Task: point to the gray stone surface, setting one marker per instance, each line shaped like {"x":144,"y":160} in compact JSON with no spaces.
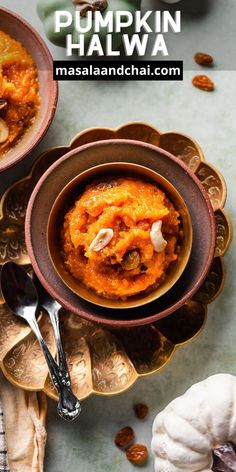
{"x":210,"y":118}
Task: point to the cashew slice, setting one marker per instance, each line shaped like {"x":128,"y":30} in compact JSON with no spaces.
{"x":3,"y":103}
{"x":159,"y":243}
{"x":4,"y":131}
{"x":102,"y":239}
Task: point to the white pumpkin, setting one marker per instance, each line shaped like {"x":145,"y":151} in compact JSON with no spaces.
{"x":191,"y":426}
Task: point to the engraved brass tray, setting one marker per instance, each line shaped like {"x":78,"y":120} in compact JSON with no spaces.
{"x":103,"y":361}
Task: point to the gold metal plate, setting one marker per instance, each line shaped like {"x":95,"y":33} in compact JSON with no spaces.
{"x":105,"y":361}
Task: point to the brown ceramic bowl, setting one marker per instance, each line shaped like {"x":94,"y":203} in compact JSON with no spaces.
{"x":23,"y":32}
{"x":117,"y":150}
{"x":67,"y":198}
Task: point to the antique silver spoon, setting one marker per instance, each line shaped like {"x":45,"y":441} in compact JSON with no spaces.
{"x":21,"y":297}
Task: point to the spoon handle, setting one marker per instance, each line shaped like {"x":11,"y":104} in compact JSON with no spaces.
{"x":69,"y":406}
{"x":53,"y":314}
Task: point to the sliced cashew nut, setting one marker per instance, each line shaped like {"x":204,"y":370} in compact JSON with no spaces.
{"x":4,"y":131}
{"x":159,"y":243}
{"x":102,"y":239}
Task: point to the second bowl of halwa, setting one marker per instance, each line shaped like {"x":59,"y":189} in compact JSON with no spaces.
{"x":119,"y":235}
{"x":28,"y":94}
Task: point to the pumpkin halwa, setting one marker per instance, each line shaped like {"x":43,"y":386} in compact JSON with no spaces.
{"x":123,"y":261}
{"x":19,"y":91}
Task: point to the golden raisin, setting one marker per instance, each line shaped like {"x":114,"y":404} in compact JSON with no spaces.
{"x":137,"y":453}
{"x":203,"y":59}
{"x":124,"y":437}
{"x":203,"y":82}
{"x":130,"y":260}
{"x":141,"y":410}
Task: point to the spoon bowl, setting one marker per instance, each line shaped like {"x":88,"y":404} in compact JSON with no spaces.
{"x":18,"y":290}
{"x":45,"y":300}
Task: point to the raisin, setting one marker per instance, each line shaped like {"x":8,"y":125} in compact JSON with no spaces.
{"x":203,"y":82}
{"x":124,"y":437}
{"x":141,"y":410}
{"x":137,"y":453}
{"x":203,"y":59}
{"x":130,"y":260}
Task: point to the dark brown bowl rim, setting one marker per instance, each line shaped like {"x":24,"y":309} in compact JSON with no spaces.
{"x":129,"y":322}
{"x":54,"y":94}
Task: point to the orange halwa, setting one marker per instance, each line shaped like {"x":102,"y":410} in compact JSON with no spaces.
{"x":128,"y":264}
{"x":19,"y":90}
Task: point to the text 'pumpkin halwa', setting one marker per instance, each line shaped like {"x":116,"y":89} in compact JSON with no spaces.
{"x":128,"y":264}
{"x":19,"y":91}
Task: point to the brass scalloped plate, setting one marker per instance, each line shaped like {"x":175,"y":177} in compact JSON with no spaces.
{"x":101,"y":361}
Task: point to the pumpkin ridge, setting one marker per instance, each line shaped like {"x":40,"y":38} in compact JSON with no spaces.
{"x":199,"y":460}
